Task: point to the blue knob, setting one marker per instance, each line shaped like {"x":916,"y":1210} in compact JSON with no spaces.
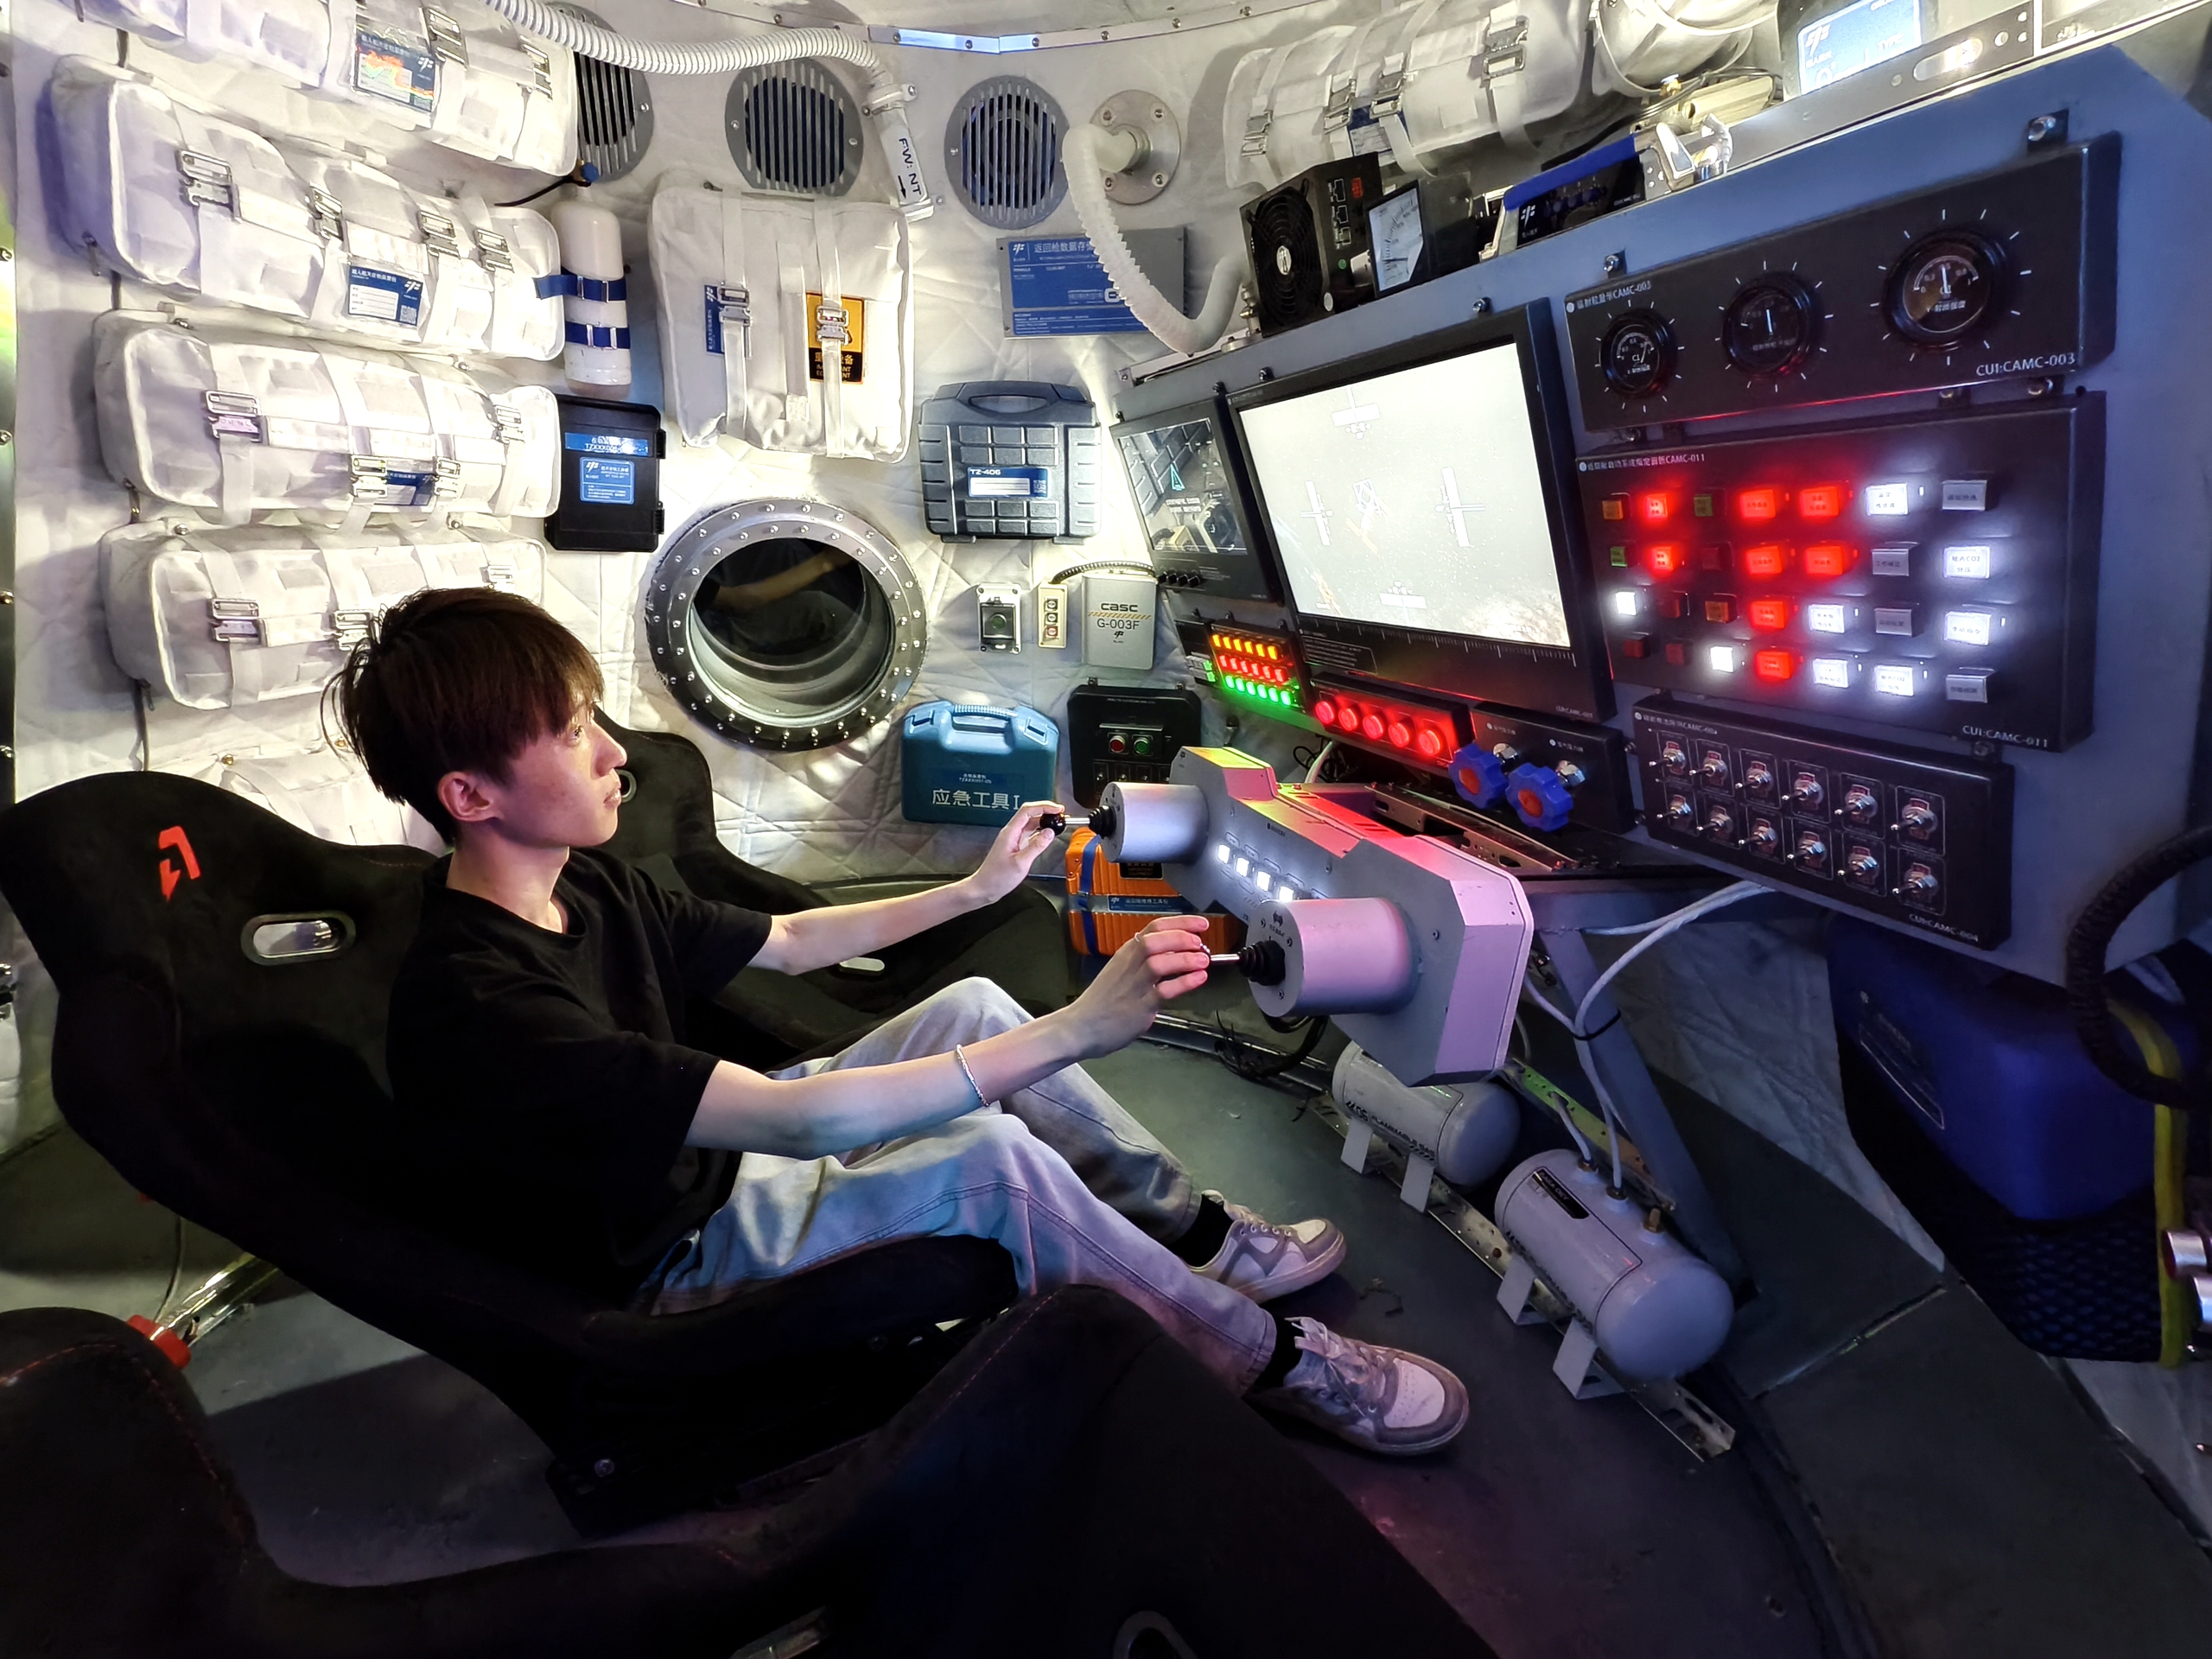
{"x":1539,"y":797}
{"x":1478,"y":775}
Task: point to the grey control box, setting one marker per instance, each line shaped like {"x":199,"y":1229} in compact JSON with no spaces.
{"x":1009,"y":460}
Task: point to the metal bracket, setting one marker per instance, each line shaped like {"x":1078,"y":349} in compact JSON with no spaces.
{"x":448,"y":478}
{"x":1389,"y":86}
{"x":1255,"y":132}
{"x":206,"y":180}
{"x":1336,"y":112}
{"x":234,"y":414}
{"x":832,"y":325}
{"x":507,"y":422}
{"x":234,"y":620}
{"x":443,"y":235}
{"x":329,"y":215}
{"x":542,"y":68}
{"x":349,"y":628}
{"x":1505,"y":51}
{"x":370,"y":476}
{"x":447,"y":43}
{"x":1675,"y":161}
{"x":1147,"y":117}
{"x":493,"y":251}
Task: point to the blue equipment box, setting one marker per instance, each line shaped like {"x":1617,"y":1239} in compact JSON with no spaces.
{"x":963,"y":763}
{"x":1987,"y":1066}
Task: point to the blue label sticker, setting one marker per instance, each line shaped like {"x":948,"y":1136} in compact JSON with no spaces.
{"x":1855,"y":38}
{"x":383,"y":295}
{"x":387,"y":69}
{"x":1009,"y":483}
{"x":1058,"y":287}
{"x":410,"y":489}
{"x":607,"y":483}
{"x":607,"y":443}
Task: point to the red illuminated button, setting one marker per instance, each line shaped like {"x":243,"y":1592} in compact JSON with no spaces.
{"x":1768,"y":615}
{"x":1402,"y":735}
{"x":1429,"y":742}
{"x":1326,"y":712}
{"x":1678,"y":653}
{"x":1773,"y":666}
{"x":1721,"y":607}
{"x":1653,"y":507}
{"x":1767,"y":559}
{"x":1821,"y":500}
{"x":1637,"y":647}
{"x":1115,"y":745}
{"x":1758,"y":506}
{"x":1372,"y":728}
{"x":1829,"y":559}
{"x":1347,"y":719}
{"x":1664,"y":558}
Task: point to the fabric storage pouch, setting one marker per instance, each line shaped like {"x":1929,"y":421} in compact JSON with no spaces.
{"x":757,"y":296}
{"x":326,"y":793}
{"x":234,"y":424}
{"x":167,"y":194}
{"x":456,"y":71}
{"x":220,"y":618}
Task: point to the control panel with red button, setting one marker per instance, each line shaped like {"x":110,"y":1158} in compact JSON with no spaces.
{"x":1418,"y":734}
{"x":1918,"y":837}
{"x":1938,"y":574}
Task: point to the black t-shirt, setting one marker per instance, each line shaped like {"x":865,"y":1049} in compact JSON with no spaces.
{"x":544,"y":1076}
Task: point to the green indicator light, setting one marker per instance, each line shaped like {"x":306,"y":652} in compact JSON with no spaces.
{"x":1620,"y":558}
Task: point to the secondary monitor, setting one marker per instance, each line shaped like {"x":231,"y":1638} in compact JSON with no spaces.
{"x":1191,"y":498}
{"x":1413,"y":499}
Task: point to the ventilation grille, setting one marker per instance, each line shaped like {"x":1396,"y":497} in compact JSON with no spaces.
{"x":1002,"y":147}
{"x":614,"y":113}
{"x":794,"y":128}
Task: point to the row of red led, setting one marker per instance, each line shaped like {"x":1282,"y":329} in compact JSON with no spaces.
{"x":1823,"y":561}
{"x":1423,"y":736}
{"x":1760,"y":504}
{"x":1265,"y":673}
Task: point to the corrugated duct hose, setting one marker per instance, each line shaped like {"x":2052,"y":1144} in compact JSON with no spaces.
{"x":2098,"y":1024}
{"x":886,"y":103}
{"x":1089,"y":155}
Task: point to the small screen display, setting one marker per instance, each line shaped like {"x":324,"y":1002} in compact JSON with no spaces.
{"x":1189,"y":501}
{"x":1413,"y":499}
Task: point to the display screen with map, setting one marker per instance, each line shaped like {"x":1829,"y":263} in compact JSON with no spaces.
{"x":1192,"y":503}
{"x":1412,"y":499}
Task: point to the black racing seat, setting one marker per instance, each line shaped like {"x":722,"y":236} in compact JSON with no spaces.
{"x":224,"y":980}
{"x":1073,"y":1486}
{"x":668,"y":830}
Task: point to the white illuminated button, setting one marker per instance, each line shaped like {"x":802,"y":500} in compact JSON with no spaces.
{"x":1826,"y":618}
{"x":1967,"y":563}
{"x":1244,"y":867}
{"x":1286,"y":894}
{"x":1966,"y":494}
{"x":1221,"y":852}
{"x":1893,"y":679}
{"x":1262,"y":880}
{"x":1888,"y":500}
{"x":1966,"y":627}
{"x":1893,"y":561}
{"x":1722,"y":658}
{"x":1832,"y":670}
{"x":1627,"y":601}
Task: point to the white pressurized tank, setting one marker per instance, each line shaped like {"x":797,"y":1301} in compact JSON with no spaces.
{"x":1656,"y":1309}
{"x":597,"y":307}
{"x":1465,"y":1130}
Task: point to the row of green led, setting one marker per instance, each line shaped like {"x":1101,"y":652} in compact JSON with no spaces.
{"x":1285,"y":695}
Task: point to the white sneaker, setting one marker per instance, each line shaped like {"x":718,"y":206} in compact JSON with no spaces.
{"x":1384,"y":1399}
{"x":1265,"y":1261}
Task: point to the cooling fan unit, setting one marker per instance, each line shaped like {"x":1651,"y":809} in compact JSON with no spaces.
{"x":1308,"y":239}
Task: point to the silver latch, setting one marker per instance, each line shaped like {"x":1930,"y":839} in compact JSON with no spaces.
{"x":734,"y":302}
{"x":541,"y":67}
{"x":832,"y":325}
{"x":446,"y":481}
{"x":234,"y":620}
{"x":1336,"y":112}
{"x":446,"y":43}
{"x":1255,"y":132}
{"x":206,"y":180}
{"x":442,"y":234}
{"x":498,"y":572}
{"x":1505,"y":49}
{"x":492,"y":248}
{"x":329,"y":215}
{"x":1389,"y":84}
{"x":233,"y":415}
{"x":349,"y":628}
{"x":372,"y":475}
{"x":507,"y":423}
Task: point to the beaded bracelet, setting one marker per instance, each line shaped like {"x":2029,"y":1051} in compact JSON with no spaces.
{"x":972,"y":1087}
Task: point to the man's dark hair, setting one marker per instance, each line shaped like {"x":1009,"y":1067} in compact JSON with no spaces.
{"x":457,"y":679}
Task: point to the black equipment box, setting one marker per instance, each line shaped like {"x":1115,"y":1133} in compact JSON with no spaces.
{"x":1009,"y":459}
{"x":610,"y":478}
{"x":1126,"y":734}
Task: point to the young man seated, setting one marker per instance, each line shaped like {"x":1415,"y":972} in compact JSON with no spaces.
{"x":537,"y":1051}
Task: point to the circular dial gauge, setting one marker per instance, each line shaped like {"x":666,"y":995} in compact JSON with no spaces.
{"x":1943,"y":286}
{"x":1772,"y":325}
{"x":1637,"y":354}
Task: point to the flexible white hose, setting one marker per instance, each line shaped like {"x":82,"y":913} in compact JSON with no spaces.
{"x":1087,"y":190}
{"x":886,"y":94}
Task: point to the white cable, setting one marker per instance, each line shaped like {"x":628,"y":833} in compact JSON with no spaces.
{"x":886,"y":93}
{"x":1605,"y":1107}
{"x":1634,"y":928}
{"x":1682,"y":917}
{"x":1080,"y":156}
{"x":1313,"y":771}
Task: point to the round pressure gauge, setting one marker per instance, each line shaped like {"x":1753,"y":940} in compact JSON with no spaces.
{"x":1637,"y":354}
{"x":1943,"y":286}
{"x":1771,"y":326}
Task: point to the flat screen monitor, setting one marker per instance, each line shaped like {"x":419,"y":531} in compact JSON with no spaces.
{"x":1191,"y":497}
{"x":1415,"y":499}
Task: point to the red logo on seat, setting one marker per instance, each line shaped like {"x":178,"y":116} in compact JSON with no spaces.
{"x":174,"y":836}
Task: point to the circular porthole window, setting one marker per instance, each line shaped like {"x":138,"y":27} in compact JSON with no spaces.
{"x":791,"y":625}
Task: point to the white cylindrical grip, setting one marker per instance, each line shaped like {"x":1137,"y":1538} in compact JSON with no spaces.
{"x":1155,"y":823}
{"x":1341,"y":956}
{"x":598,"y":354}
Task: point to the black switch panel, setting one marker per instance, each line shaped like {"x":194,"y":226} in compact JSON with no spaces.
{"x":1918,"y":837}
{"x":1937,"y":572}
{"x":1126,"y":734}
{"x":1596,"y":755}
{"x":2009,"y":275}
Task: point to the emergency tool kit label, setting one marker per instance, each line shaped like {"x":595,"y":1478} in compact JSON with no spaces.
{"x":1056,"y":286}
{"x":389,"y":68}
{"x":383,"y":296}
{"x":609,"y":482}
{"x":1009,"y":483}
{"x":847,"y":330}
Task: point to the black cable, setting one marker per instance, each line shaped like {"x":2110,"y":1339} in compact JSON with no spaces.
{"x":1280,"y":1062}
{"x":2087,"y":942}
{"x":583,"y":174}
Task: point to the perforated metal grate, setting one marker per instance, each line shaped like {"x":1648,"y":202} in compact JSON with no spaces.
{"x":614,"y":111}
{"x":1002,"y":150}
{"x":792,"y":127}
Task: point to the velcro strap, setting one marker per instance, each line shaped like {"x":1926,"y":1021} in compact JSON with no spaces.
{"x":568,"y":285}
{"x":581,"y":334}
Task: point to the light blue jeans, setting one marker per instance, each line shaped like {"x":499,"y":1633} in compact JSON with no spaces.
{"x":1058,"y":1173}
